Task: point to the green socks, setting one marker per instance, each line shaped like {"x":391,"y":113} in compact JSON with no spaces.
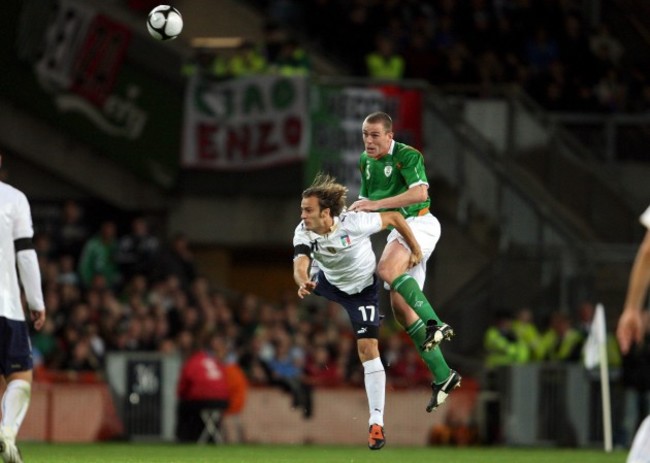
{"x":409,"y":289}
{"x":433,"y":359}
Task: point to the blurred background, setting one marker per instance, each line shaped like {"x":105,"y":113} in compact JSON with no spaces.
{"x":165,"y":179}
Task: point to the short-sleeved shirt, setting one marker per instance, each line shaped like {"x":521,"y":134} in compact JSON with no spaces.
{"x":402,"y":168}
{"x":344,"y":255}
{"x":15,"y":223}
{"x":645,"y":218}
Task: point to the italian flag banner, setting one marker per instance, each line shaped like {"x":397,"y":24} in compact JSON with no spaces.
{"x":245,"y":123}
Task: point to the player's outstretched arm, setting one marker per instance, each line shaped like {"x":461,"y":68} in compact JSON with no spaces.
{"x":630,"y":327}
{"x":395,"y":219}
{"x":301,"y":265}
{"x":414,"y":195}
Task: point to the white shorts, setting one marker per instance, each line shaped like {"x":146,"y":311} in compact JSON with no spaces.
{"x":426,"y":229}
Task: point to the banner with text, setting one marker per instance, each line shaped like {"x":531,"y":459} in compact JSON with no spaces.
{"x":337,"y":113}
{"x":246,"y":123}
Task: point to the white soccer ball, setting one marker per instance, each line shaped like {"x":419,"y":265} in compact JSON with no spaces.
{"x":164,"y":22}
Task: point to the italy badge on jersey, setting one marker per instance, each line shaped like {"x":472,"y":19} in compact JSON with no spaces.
{"x":345,"y":240}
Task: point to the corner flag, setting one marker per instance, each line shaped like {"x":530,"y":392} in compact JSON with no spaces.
{"x":595,"y":353}
{"x":597,"y":337}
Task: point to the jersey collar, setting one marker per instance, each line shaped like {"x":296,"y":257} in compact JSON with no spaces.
{"x":333,"y":228}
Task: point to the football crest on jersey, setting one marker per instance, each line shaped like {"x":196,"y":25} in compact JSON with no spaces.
{"x":388,"y":170}
{"x":345,"y":240}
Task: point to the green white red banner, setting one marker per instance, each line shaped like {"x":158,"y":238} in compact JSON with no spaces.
{"x":337,"y":113}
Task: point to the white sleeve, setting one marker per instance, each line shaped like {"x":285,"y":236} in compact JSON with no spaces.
{"x":22,"y":224}
{"x":299,"y":236}
{"x":363,"y":223}
{"x":645,"y":218}
{"x":26,"y":260}
{"x":30,"y":276}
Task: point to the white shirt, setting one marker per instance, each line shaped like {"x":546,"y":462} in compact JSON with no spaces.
{"x":16,"y":223}
{"x":645,"y":218}
{"x":345,"y":254}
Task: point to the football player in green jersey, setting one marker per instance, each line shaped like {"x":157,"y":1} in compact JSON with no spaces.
{"x":393,"y":178}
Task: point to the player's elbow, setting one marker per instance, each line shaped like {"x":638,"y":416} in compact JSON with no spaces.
{"x":421,"y":193}
{"x":391,"y":219}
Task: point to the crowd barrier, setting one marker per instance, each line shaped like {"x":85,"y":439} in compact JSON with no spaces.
{"x":532,"y":405}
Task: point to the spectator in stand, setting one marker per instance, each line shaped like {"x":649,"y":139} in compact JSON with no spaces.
{"x":420,"y":59}
{"x":202,"y":384}
{"x":206,"y":63}
{"x":445,"y":36}
{"x":45,"y":341}
{"x":561,"y":341}
{"x":584,"y":317}
{"x":136,"y":250}
{"x":408,"y":369}
{"x":611,"y":91}
{"x":321,"y":369}
{"x":286,"y":370}
{"x":479,"y":27}
{"x":98,"y":256}
{"x":502,"y":346}
{"x":541,"y":51}
{"x":384,"y":62}
{"x":359,"y":31}
{"x":72,"y":233}
{"x":573,"y":45}
{"x":176,"y":259}
{"x":246,"y":61}
{"x":292,"y":59}
{"x":525,"y":329}
{"x":237,"y":388}
{"x":458,"y":68}
{"x":67,"y":271}
{"x":81,"y":357}
{"x":602,"y":42}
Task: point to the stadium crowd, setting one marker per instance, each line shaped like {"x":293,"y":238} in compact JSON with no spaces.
{"x":110,"y":291}
{"x":547,"y":47}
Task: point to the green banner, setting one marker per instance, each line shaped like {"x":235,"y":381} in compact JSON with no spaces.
{"x":80,"y":71}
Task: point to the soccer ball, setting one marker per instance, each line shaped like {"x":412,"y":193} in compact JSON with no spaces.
{"x":164,"y":22}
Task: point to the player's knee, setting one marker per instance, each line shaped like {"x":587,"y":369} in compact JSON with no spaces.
{"x":368,"y":349}
{"x":386,"y":272}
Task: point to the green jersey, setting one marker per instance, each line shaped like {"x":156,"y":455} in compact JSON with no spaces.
{"x":393,"y":174}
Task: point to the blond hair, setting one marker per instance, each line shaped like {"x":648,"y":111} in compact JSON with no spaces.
{"x":330,"y":194}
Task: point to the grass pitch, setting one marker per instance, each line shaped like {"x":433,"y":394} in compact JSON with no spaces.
{"x":176,"y":453}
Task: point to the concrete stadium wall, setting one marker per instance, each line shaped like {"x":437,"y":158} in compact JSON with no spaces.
{"x":86,"y":413}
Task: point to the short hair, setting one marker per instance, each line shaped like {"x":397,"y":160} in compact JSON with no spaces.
{"x":382,"y":118}
{"x":331,"y":195}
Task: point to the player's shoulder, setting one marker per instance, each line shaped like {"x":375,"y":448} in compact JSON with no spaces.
{"x":403,"y":150}
{"x":353,"y":219}
{"x":9,"y":193}
{"x":300,"y":228}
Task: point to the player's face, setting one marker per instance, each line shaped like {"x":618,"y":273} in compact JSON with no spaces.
{"x":315,"y":219}
{"x":376,"y":139}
